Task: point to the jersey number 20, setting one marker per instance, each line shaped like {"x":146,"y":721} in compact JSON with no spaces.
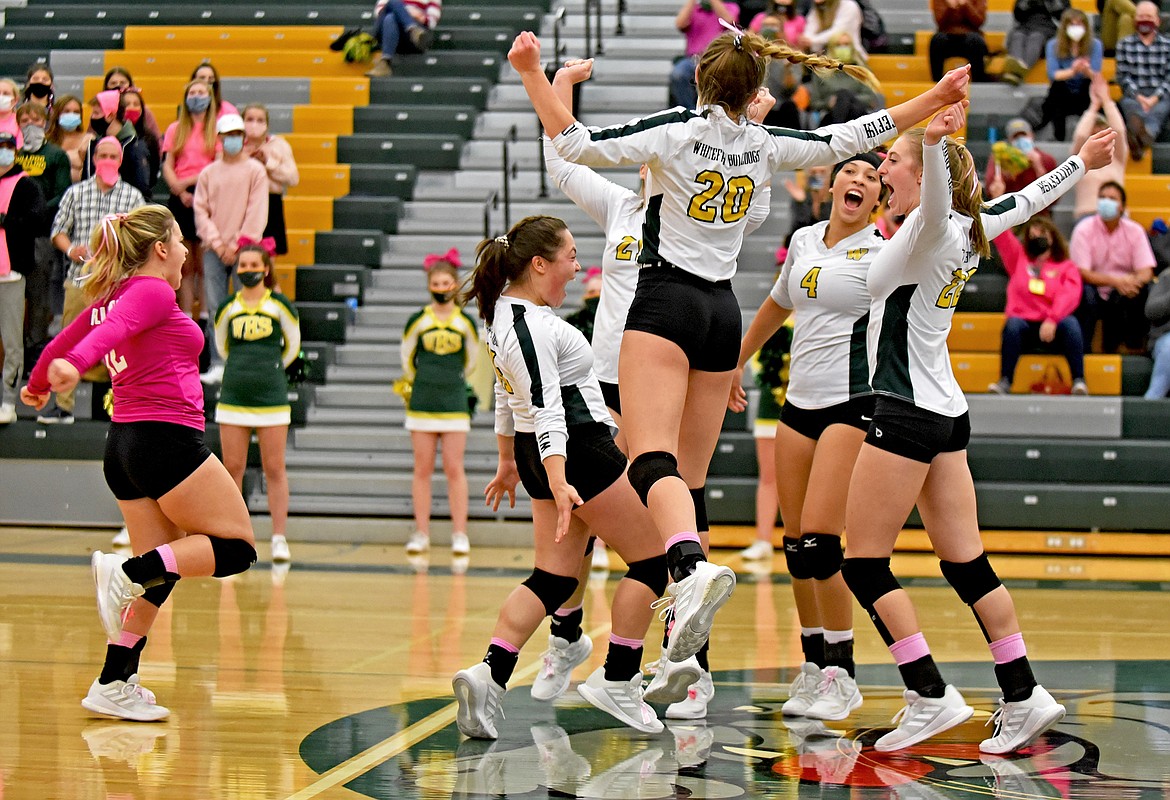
{"x":706,"y":205}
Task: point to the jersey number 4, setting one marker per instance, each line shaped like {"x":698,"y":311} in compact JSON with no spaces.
{"x":809,"y":281}
{"x":708,"y":205}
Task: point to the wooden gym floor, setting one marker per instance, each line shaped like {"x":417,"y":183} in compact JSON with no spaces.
{"x":332,"y":680}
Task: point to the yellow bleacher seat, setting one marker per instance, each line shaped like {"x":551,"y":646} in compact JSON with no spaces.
{"x":352,"y":91}
{"x":163,"y":93}
{"x":1088,"y":6}
{"x":329,"y":180}
{"x":250,"y":63}
{"x":996,"y":40}
{"x":212,"y":38}
{"x":311,"y":213}
{"x":976,"y":371}
{"x":973,"y":331}
{"x":334,"y":120}
{"x":917,"y":68}
{"x":301,"y":246}
{"x":313,"y":148}
{"x":286,"y":278}
{"x":1147,"y":190}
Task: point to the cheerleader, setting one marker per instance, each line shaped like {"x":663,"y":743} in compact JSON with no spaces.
{"x":915,"y":451}
{"x":259,"y":334}
{"x":438,"y":351}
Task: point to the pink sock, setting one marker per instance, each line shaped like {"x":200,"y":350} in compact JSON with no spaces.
{"x":684,"y":536}
{"x":511,"y":648}
{"x":909,"y":649}
{"x":1009,"y":648}
{"x":168,"y":558}
{"x":127,"y":639}
{"x":564,"y":612}
{"x":624,"y":642}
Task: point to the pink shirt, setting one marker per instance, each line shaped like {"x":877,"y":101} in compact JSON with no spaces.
{"x":793,"y":27}
{"x":705,"y":27}
{"x":8,"y":125}
{"x":231,"y":200}
{"x":1121,"y":252}
{"x":150,"y":347}
{"x":1047,"y":293}
{"x":194,"y":157}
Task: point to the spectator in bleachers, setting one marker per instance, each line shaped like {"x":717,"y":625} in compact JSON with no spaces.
{"x":828,"y":19}
{"x":785,"y":81}
{"x":779,"y":21}
{"x":1044,"y":290}
{"x":1102,"y":113}
{"x":133,"y":111}
{"x":66,"y":131}
{"x":120,"y":79}
{"x":698,"y":20}
{"x":1073,"y":57}
{"x":231,"y":203}
{"x":1143,"y":73}
{"x":47,"y":165}
{"x":22,"y":210}
{"x":210,"y":75}
{"x":79,"y":215}
{"x":812,"y":198}
{"x":1117,"y":264}
{"x":1116,"y":21}
{"x":1158,"y":315}
{"x":8,"y":123}
{"x":1035,"y":23}
{"x":275,"y":153}
{"x":108,"y":119}
{"x":836,"y":97}
{"x":1005,"y":171}
{"x":38,"y":86}
{"x":582,"y":319}
{"x":403,"y":26}
{"x":189,"y":145}
{"x":960,"y":35}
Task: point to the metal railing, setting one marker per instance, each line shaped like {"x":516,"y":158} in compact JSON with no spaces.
{"x":593,"y":7}
{"x":620,"y":28}
{"x":511,"y":170}
{"x":491,"y":203}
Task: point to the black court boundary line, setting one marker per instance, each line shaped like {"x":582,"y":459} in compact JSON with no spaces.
{"x":745,"y":578}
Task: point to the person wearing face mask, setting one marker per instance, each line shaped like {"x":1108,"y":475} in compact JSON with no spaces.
{"x":827,"y":20}
{"x":80,"y":213}
{"x":258,"y":331}
{"x":209,"y":75}
{"x":1034,"y":24}
{"x":834,"y":95}
{"x":782,"y":19}
{"x":1044,"y":289}
{"x":960,"y":35}
{"x":275,"y":153}
{"x":48,"y":165}
{"x":1102,"y":113}
{"x":1143,"y":73}
{"x":1073,"y":56}
{"x":67,"y":132}
{"x":439,"y":349}
{"x":231,"y":201}
{"x":38,"y":87}
{"x":8,"y":123}
{"x":189,"y":145}
{"x":22,"y":211}
{"x":109,"y":119}
{"x":1117,"y":265}
{"x":119,"y":79}
{"x":1001,"y":180}
{"x":134,"y":113}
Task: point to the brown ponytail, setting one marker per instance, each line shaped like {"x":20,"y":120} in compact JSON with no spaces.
{"x":505,"y":259}
{"x":966,"y":191}
{"x":733,"y":67}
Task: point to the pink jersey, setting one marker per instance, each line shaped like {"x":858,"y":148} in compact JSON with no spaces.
{"x":150,"y":347}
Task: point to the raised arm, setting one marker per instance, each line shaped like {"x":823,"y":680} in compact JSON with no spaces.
{"x":937,"y":189}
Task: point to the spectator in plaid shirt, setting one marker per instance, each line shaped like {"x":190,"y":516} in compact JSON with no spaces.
{"x":1143,"y":72}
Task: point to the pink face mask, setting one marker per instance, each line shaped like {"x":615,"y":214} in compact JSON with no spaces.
{"x":107,"y":171}
{"x":255,"y":130}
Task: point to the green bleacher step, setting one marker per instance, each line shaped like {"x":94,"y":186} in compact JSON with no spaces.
{"x":56,"y":37}
{"x":985,"y":291}
{"x":373,"y":213}
{"x":483,"y":64}
{"x":323,"y":322}
{"x":319,"y":356}
{"x":1145,"y":419}
{"x":425,"y":151}
{"x":389,"y":119}
{"x":430,"y":91}
{"x":473,"y":38}
{"x":189,"y":14}
{"x":735,"y":456}
{"x":1069,"y":461}
{"x":1073,"y":507}
{"x":394,"y":180}
{"x":325,"y":283}
{"x":363,"y":247}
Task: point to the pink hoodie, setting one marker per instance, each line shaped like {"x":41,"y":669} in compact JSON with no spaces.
{"x":1062,"y":284}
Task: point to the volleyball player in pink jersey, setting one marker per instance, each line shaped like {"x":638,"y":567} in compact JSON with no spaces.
{"x":185,"y":517}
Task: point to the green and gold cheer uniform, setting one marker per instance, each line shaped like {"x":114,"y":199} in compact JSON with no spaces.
{"x":771,"y":368}
{"x":257,"y":343}
{"x":437,"y":355}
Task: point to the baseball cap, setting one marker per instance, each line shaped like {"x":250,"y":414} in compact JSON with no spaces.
{"x":230,"y":123}
{"x":1017,"y":126}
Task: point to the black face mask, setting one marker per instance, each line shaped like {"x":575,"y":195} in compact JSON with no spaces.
{"x":591,"y":304}
{"x":39,"y":90}
{"x":250,"y":279}
{"x":442,"y":297}
{"x":99,"y":126}
{"x":1037,"y":246}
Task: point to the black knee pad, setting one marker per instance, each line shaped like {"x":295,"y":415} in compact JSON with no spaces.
{"x":649,"y":468}
{"x":870,"y":579}
{"x":157,"y":595}
{"x":700,"y":497}
{"x":552,"y":590}
{"x":794,"y":558}
{"x":650,"y":571}
{"x":589,"y":545}
{"x":232,"y":556}
{"x":973,"y":580}
{"x":822,"y":554}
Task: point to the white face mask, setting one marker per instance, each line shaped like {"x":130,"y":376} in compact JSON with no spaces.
{"x":1075,"y":32}
{"x":6,"y":103}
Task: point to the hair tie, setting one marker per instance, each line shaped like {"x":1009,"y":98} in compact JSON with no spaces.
{"x":110,"y":233}
{"x":841,"y":66}
{"x":451,"y":257}
{"x":267,"y":244}
{"x":738,"y":34}
{"x":504,"y":241}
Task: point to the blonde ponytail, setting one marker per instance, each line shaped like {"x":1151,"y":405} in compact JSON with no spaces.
{"x":966,"y":191}
{"x":121,"y":244}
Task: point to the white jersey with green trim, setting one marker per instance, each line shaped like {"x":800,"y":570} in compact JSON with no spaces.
{"x":826,"y":287}
{"x":544,"y":375}
{"x":708,"y":170}
{"x":916,"y":281}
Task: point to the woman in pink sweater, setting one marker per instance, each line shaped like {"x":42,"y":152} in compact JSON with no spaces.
{"x":1044,"y":288}
{"x":181,"y":507}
